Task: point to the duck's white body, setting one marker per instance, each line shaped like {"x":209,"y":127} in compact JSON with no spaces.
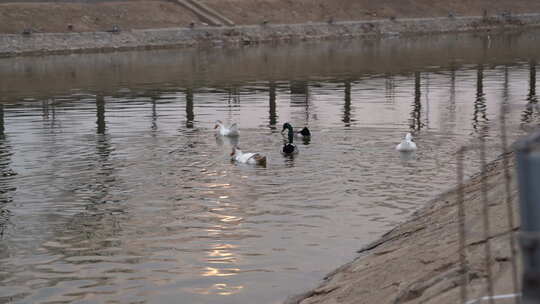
{"x":407,"y":145}
{"x":248,"y":158}
{"x":226,"y":131}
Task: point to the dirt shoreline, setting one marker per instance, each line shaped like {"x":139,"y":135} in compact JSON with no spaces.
{"x":62,"y":43}
{"x":47,"y":16}
{"x":418,"y":261}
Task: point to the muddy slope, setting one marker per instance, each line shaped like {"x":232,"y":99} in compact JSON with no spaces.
{"x":418,"y":261}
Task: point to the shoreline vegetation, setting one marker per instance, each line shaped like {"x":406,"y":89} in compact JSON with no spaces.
{"x":30,"y":43}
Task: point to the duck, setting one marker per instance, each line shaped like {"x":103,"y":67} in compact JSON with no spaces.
{"x":247,"y":158}
{"x":289,"y":148}
{"x":304,"y":133}
{"x":226,"y":131}
{"x":407,"y":145}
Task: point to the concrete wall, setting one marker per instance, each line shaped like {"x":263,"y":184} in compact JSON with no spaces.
{"x":47,"y":43}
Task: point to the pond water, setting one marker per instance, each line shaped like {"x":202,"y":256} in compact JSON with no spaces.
{"x":114,"y":188}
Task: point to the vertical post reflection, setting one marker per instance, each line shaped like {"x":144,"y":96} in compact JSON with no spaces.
{"x":300,"y":96}
{"x":347,"y":105}
{"x":6,"y":175}
{"x":452,"y":106}
{"x":505,"y":91}
{"x":448,"y":113}
{"x":103,"y":145}
{"x":100,"y":113}
{"x":427,"y":85}
{"x":45,"y":109}
{"x":532,"y":99}
{"x":5,"y":156}
{"x":480,"y":107}
{"x":154,"y":126}
{"x":416,"y":113}
{"x":299,"y":91}
{"x":103,"y":149}
{"x":2,"y":128}
{"x":390,"y":88}
{"x":272,"y":105}
{"x":234,"y":94}
{"x":190,"y":115}
{"x":53,"y":112}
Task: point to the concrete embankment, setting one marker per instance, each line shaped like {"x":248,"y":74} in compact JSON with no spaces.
{"x":418,"y":261}
{"x":54,"y":43}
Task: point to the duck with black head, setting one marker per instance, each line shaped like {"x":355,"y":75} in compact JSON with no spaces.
{"x":289,"y":148}
{"x":304,"y":133}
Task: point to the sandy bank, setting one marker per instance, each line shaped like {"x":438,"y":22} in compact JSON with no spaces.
{"x":417,"y":262}
{"x":301,"y":11}
{"x":54,"y":43}
{"x":51,"y":17}
{"x":100,"y":15}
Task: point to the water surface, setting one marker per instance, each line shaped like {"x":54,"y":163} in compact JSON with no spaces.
{"x":114,"y":188}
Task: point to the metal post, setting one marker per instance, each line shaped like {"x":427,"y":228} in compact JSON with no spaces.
{"x":528,"y":166}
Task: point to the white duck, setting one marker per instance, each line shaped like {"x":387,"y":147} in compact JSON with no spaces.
{"x":407,"y":145}
{"x":247,"y":158}
{"x":226,"y":131}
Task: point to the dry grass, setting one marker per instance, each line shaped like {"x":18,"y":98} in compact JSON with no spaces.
{"x":55,"y":17}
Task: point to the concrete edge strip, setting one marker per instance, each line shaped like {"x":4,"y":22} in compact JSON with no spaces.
{"x":495,"y":297}
{"x":62,"y":43}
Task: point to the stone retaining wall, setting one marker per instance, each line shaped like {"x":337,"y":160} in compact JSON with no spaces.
{"x":54,"y":43}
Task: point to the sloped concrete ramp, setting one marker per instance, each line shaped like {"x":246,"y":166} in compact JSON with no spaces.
{"x":205,"y":13}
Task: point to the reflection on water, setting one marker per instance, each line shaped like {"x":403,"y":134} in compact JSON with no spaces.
{"x":347,"y":105}
{"x":154,"y":126}
{"x":272,"y":120}
{"x":100,"y":113}
{"x":190,"y":115}
{"x":480,"y":119}
{"x":532,"y":99}
{"x":114,"y":187}
{"x":407,"y":157}
{"x":229,"y":141}
{"x":6,"y":177}
{"x":416,"y":113}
